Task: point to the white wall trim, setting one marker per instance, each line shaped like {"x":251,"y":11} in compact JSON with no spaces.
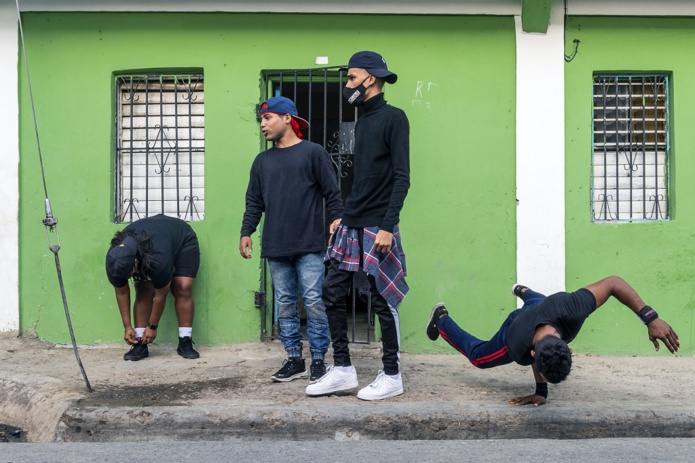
{"x":540,"y":155}
{"x":631,"y":8}
{"x":9,"y":170}
{"x":466,"y":7}
{"x":491,"y":7}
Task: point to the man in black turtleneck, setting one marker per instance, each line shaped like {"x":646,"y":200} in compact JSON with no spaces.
{"x":368,"y":236}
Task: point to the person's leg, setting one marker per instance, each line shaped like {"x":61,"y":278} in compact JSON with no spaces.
{"x":482,"y":354}
{"x":390,"y":330}
{"x":310,"y":270}
{"x":142,"y":308}
{"x":388,"y":382}
{"x":186,"y":265}
{"x":182,"y":290}
{"x":284,"y":275}
{"x":283,"y":271}
{"x":531,"y":298}
{"x":336,"y":285}
{"x":342,"y":375}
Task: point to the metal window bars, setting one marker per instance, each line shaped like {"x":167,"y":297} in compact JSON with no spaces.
{"x":160,"y":146}
{"x":630,"y":166}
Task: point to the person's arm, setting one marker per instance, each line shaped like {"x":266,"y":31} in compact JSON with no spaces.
{"x":252,"y":214}
{"x":399,"y":142}
{"x":540,"y":397}
{"x":123,"y":301}
{"x":158,"y":303}
{"x":329,"y":189}
{"x":329,"y":185}
{"x":657,"y":328}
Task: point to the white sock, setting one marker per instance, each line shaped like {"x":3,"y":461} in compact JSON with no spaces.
{"x":343,"y":369}
{"x":396,"y":377}
{"x":185,"y":331}
{"x":139,"y":332}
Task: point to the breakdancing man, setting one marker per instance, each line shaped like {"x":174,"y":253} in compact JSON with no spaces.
{"x":537,"y":334}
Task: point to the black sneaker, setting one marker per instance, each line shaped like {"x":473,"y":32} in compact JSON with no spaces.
{"x":186,"y":349}
{"x":137,"y":352}
{"x":437,"y":311}
{"x":291,"y":369}
{"x":318,"y":369}
{"x":518,"y":289}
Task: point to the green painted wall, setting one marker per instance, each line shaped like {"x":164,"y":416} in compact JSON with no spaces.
{"x":458,"y":222}
{"x":658,"y":259}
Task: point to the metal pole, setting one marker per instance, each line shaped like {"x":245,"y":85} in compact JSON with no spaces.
{"x":50,"y":223}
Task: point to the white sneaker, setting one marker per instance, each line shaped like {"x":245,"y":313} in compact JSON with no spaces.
{"x":333,"y":381}
{"x":383,"y":387}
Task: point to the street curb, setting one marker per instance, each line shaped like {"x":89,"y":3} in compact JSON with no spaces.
{"x":35,"y":404}
{"x":344,"y":422}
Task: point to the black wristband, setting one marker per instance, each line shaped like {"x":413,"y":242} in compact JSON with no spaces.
{"x":542,"y":390}
{"x":647,"y":314}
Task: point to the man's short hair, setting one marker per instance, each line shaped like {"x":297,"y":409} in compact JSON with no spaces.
{"x":553,"y":358}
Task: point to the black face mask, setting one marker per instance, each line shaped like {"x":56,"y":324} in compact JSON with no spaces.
{"x":355,"y":96}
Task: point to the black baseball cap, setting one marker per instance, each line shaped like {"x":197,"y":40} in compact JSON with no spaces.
{"x":120,"y":259}
{"x":373,"y":63}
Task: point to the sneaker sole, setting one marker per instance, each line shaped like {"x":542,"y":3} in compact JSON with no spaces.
{"x":189,"y":357}
{"x":436,"y":306}
{"x":390,"y":394}
{"x":290,"y":378}
{"x":341,"y":388}
{"x":514,"y":287}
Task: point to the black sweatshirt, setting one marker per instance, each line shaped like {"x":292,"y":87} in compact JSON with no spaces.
{"x":289,"y":185}
{"x":382,"y":167}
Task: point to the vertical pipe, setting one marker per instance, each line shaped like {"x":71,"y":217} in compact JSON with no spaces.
{"x":176,"y":147}
{"x":161,"y":139}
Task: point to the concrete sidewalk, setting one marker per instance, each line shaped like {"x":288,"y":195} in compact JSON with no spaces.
{"x":227,"y":394}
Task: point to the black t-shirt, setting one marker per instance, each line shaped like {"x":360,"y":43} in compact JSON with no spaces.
{"x":565,"y":312}
{"x":289,"y":186}
{"x":168,"y":235}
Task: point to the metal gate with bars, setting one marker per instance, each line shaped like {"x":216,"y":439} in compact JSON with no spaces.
{"x":317,"y":94}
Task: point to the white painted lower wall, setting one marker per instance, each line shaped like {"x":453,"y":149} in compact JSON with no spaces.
{"x":540,"y":155}
{"x":9,"y":170}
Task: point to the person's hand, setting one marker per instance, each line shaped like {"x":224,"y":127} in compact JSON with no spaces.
{"x":334,"y":225}
{"x":246,"y":247}
{"x":534,"y":399}
{"x":383,"y":241}
{"x":149,"y":335}
{"x":129,"y":336}
{"x":659,"y":329}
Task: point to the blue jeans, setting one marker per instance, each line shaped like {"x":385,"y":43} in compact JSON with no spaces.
{"x":485,"y":354}
{"x":290,"y":275}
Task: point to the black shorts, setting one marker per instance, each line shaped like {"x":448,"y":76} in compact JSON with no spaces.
{"x":187,"y":262}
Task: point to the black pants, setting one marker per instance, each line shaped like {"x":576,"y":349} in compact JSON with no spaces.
{"x":335,"y":289}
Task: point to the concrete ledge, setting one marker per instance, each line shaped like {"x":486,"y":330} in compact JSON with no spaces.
{"x":411,"y":422}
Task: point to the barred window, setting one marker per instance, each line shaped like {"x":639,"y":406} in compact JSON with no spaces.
{"x":160,"y":146}
{"x":630,"y":172}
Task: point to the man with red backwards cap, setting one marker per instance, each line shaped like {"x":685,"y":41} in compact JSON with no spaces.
{"x":368,"y":236}
{"x":288,"y":183}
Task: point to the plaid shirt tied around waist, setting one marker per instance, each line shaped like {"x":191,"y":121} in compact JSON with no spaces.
{"x":388,"y":269}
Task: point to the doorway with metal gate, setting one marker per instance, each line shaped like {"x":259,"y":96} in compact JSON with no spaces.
{"x":317,"y":94}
